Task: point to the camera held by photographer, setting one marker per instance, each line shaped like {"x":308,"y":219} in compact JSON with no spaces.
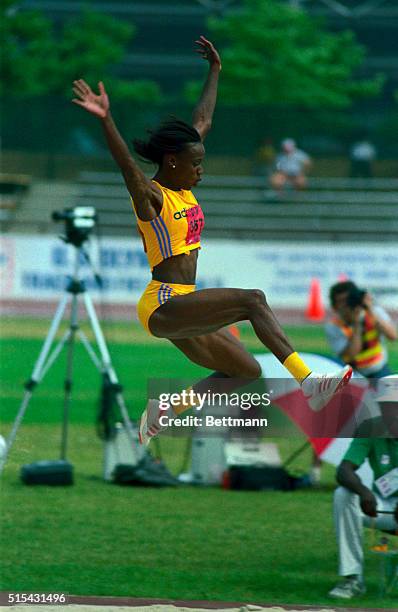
{"x":358,"y":330}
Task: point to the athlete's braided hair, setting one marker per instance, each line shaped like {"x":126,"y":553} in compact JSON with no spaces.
{"x":172,"y":136}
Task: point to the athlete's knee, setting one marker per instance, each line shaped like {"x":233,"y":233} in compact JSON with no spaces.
{"x":160,"y":331}
{"x":257,"y":300}
{"x":250,"y":369}
{"x":253,"y":370}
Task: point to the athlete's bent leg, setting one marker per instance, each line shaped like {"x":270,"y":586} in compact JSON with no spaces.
{"x":221,"y":351}
{"x":208,"y":310}
{"x":203,"y":312}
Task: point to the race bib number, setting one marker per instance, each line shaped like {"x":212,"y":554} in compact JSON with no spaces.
{"x":196,"y":221}
{"x":388,"y":484}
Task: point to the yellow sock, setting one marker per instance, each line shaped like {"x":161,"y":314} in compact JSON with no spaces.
{"x":188,"y":400}
{"x":297,"y":367}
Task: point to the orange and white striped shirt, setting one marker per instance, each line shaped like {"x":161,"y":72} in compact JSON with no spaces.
{"x":373,"y":355}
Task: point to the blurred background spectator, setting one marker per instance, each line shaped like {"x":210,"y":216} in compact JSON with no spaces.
{"x":292,"y":164}
{"x":265,"y":157}
{"x":362,"y":156}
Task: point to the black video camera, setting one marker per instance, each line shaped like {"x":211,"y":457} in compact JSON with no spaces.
{"x":355,"y":297}
{"x":79,"y":222}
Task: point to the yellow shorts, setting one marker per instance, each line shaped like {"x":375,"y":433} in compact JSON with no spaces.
{"x":156,"y":294}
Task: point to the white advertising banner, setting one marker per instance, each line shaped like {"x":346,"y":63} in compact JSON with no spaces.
{"x":37,"y":268}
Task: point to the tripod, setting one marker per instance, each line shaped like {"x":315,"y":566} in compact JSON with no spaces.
{"x":74,"y":289}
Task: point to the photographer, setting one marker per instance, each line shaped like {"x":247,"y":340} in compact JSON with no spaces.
{"x":358,"y":329}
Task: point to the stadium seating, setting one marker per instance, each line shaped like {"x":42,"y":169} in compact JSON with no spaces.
{"x":12,"y":189}
{"x":334,"y":209}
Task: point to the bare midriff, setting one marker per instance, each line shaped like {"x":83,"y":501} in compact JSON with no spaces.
{"x":180,"y":269}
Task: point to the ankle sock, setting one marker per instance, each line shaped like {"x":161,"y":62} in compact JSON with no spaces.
{"x":297,"y":367}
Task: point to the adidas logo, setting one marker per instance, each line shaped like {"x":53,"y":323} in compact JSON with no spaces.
{"x":180,"y":214}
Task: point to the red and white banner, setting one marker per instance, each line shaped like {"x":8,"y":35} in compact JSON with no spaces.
{"x":337,"y":418}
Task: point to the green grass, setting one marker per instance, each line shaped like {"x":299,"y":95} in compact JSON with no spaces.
{"x":100,"y":539}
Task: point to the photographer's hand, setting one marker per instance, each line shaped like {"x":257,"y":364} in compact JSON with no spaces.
{"x":354,"y":345}
{"x":387,"y":328}
{"x":358,"y":315}
{"x":367,"y":302}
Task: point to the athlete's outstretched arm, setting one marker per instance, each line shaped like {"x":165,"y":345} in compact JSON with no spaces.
{"x":203,"y":112}
{"x":146,"y":196}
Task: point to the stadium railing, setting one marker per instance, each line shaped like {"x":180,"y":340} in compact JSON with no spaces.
{"x":337,"y":209}
{"x":12,"y":188}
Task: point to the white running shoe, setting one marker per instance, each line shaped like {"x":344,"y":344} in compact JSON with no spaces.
{"x":150,"y":421}
{"x":349,"y":587}
{"x":319,"y":389}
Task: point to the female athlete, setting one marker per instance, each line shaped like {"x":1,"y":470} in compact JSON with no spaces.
{"x":170,"y":221}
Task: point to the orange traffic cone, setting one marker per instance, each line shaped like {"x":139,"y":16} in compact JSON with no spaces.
{"x":315,"y":309}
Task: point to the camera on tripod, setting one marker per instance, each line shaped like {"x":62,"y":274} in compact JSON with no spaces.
{"x":79,"y":221}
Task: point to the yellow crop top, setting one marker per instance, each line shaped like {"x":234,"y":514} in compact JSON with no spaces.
{"x":175,"y":230}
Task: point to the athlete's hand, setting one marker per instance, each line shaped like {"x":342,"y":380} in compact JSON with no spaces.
{"x":207,"y":50}
{"x":94,"y":104}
